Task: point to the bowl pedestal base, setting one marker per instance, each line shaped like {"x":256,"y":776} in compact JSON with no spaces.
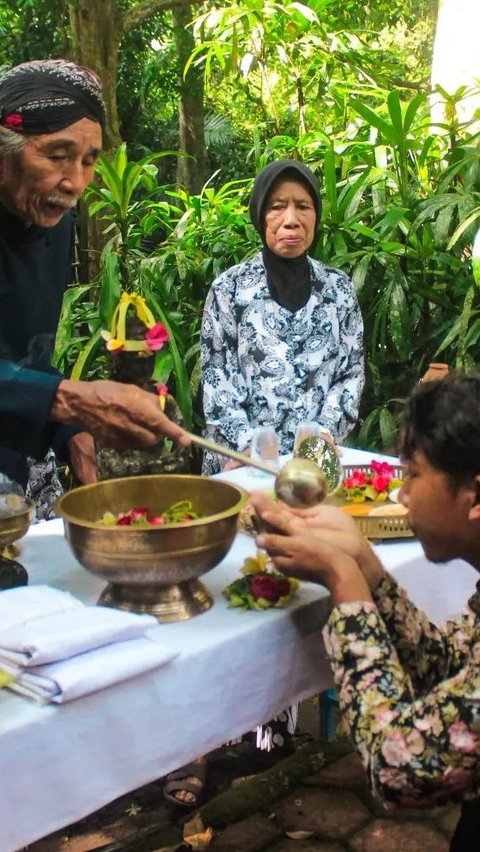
{"x":12,"y":573}
{"x":177,"y":602}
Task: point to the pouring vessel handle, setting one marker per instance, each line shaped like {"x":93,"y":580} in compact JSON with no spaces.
{"x":231,"y":454}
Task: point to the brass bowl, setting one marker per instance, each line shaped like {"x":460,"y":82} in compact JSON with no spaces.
{"x":15,"y":524}
{"x":153,"y":569}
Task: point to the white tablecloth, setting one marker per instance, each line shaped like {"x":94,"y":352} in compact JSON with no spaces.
{"x":57,"y":764}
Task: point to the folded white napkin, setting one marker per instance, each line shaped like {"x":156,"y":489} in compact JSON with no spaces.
{"x":20,"y":605}
{"x":58,"y":648}
{"x":86,"y":673}
{"x":63,"y":634}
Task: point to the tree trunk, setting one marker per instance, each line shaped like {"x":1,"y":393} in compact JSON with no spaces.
{"x":191,"y":169}
{"x":96,"y":34}
{"x":455,"y":58}
{"x":97,"y":29}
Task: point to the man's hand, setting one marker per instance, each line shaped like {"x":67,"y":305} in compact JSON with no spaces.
{"x":329,"y":524}
{"x":81,"y":450}
{"x":118,"y":415}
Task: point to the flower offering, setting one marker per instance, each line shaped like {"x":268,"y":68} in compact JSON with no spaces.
{"x":375,"y":483}
{"x":156,"y":335}
{"x":140,"y":516}
{"x":261,"y":587}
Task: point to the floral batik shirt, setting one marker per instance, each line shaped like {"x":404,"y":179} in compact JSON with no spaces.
{"x":265,"y":365}
{"x":410,"y":696}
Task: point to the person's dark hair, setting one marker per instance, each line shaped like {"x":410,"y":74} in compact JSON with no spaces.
{"x":442,"y":420}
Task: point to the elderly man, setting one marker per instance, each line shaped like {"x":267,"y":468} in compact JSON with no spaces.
{"x":409,"y":690}
{"x":51,"y":120}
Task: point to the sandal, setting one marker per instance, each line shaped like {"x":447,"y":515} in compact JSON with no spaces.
{"x":177,"y":781}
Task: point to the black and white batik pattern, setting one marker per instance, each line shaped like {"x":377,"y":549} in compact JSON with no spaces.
{"x":262,"y":364}
{"x":44,"y":486}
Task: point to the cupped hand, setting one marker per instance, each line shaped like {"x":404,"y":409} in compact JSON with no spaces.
{"x":328,"y":523}
{"x":299,"y":552}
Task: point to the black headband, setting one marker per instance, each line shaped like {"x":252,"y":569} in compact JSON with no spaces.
{"x":49,"y":94}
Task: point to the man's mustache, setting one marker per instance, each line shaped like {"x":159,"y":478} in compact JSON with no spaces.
{"x":68,"y":203}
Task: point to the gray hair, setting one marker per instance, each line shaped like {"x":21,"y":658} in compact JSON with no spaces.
{"x":11,"y":142}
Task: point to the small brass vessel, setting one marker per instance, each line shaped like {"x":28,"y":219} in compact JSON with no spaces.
{"x":153,"y":569}
{"x":14,"y":524}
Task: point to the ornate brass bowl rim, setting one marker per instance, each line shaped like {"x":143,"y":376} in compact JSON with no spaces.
{"x":226,"y":513}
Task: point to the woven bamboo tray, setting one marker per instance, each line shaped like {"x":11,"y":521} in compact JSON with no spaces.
{"x":372,"y":526}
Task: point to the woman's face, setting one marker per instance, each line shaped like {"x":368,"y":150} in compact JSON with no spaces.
{"x":290,"y":219}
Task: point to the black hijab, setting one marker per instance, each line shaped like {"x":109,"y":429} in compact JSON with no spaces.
{"x":288,"y":278}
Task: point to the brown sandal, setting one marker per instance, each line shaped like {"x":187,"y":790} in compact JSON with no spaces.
{"x":177,"y":781}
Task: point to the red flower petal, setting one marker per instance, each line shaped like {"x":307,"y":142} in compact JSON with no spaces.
{"x":14,"y":121}
{"x":156,"y":337}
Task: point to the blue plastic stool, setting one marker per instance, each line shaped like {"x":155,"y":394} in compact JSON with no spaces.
{"x":327,"y":713}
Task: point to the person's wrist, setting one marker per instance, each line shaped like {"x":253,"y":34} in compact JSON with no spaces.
{"x":372,"y":568}
{"x":60,"y":410}
{"x":347,"y":582}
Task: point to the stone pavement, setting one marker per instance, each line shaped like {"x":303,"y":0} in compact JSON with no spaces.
{"x":315,"y":800}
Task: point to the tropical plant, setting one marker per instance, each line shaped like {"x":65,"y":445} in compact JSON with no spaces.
{"x":165,"y":245}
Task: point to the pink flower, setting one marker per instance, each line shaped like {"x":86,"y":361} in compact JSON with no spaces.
{"x":356,"y":480}
{"x":380,"y":483}
{"x":156,"y":337}
{"x":14,"y":121}
{"x":382,"y":468}
{"x":395,"y":749}
{"x":139,"y":512}
{"x":462,"y":738}
{"x":162,"y":390}
{"x":393,"y":778}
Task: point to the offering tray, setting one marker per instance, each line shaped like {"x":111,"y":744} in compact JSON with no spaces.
{"x":388,"y":520}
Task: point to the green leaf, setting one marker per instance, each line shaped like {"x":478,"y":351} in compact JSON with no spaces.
{"x":388,"y":429}
{"x":476,"y":259}
{"x":110,"y":289}
{"x":371,"y":117}
{"x":86,"y":356}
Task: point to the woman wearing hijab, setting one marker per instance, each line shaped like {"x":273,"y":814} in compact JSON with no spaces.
{"x":281,"y":332}
{"x":281,"y":343}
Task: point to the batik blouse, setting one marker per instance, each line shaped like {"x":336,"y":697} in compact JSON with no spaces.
{"x":410,"y":696}
{"x":265,"y":365}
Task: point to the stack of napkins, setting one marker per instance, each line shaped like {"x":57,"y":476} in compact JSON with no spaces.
{"x":57,"y":648}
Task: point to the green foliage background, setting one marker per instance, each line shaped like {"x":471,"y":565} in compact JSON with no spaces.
{"x":342,"y":86}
